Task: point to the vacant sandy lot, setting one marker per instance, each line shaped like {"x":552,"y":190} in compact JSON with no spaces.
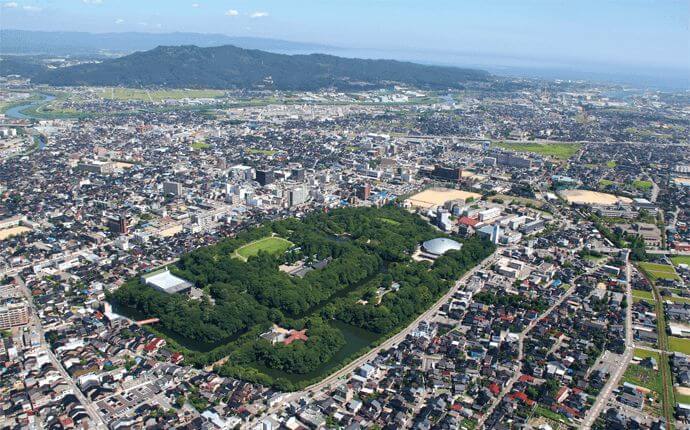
{"x":438,"y":196}
{"x":14,"y":231}
{"x":682,"y":181}
{"x":586,"y":197}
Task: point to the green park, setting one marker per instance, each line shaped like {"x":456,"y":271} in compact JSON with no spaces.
{"x":291,"y":301}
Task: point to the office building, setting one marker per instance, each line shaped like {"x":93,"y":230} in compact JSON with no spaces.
{"x":297,"y":196}
{"x":172,"y":188}
{"x":265,"y":177}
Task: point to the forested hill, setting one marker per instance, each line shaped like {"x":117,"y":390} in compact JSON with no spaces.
{"x":231,"y":67}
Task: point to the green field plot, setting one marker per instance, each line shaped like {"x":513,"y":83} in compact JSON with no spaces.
{"x":679,"y":344}
{"x":659,"y":271}
{"x":267,"y":152}
{"x":642,"y":185}
{"x":271,"y":245}
{"x":681,"y":259}
{"x":645,"y":295}
{"x":644,"y":377}
{"x":644,"y":353}
{"x":200,"y":145}
{"x":558,"y":150}
{"x":157,"y":95}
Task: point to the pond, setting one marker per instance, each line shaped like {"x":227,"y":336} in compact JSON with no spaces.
{"x":356,"y":338}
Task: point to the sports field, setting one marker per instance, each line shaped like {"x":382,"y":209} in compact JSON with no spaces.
{"x":438,"y":196}
{"x":14,"y":231}
{"x":558,"y":150}
{"x":659,"y":271}
{"x":271,"y":245}
{"x":586,"y":197}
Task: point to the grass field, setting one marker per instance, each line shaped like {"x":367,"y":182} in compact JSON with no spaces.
{"x":562,"y":151}
{"x":681,"y":259}
{"x":679,"y":344}
{"x":641,"y":294}
{"x":643,"y":377}
{"x":261,"y":151}
{"x":659,"y":271}
{"x":157,"y":95}
{"x":682,"y":398}
{"x":644,"y":353}
{"x":642,"y":185}
{"x":611,"y":164}
{"x":605,"y":183}
{"x":272,"y":245}
{"x":200,"y":145}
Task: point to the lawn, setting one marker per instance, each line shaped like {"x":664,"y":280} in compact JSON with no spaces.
{"x":642,"y":185}
{"x":605,"y":183}
{"x":611,"y":164}
{"x":272,"y":245}
{"x":561,"y":151}
{"x":390,"y":221}
{"x":681,"y":259}
{"x":659,"y":271}
{"x":267,"y":152}
{"x":641,"y":294}
{"x":679,"y":344}
{"x":644,"y":353}
{"x":548,"y":413}
{"x":682,"y":398}
{"x":200,"y":145}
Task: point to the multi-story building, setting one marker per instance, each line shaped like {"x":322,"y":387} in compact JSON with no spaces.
{"x":14,"y":314}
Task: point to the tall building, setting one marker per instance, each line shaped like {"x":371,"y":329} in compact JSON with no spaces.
{"x":265,"y":177}
{"x":364,"y":191}
{"x":14,"y":314}
{"x":297,"y":174}
{"x":297,"y":196}
{"x":453,"y":174}
{"x":117,"y":224}
{"x":174,"y":188}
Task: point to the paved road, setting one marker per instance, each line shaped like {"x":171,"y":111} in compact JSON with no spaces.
{"x":88,"y":405}
{"x":391,"y":342}
{"x":612,"y":382}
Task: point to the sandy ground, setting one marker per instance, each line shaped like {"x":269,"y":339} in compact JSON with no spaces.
{"x":683,"y":390}
{"x":586,"y":197}
{"x":121,"y":165}
{"x":438,"y":196}
{"x":682,"y":181}
{"x":14,"y":231}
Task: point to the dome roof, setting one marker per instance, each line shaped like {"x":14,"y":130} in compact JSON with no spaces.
{"x":440,"y":245}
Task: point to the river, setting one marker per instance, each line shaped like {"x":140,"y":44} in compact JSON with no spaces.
{"x":16,"y":112}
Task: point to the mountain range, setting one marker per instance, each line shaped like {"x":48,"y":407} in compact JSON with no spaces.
{"x":71,"y":43}
{"x":232,"y":67}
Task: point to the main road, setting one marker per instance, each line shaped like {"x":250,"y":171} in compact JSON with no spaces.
{"x":612,"y":382}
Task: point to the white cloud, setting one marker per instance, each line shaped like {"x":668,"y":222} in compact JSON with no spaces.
{"x":10,"y":5}
{"x":32,"y":8}
{"x":195,"y":5}
{"x":259,"y":15}
{"x":231,"y":12}
{"x":119,"y":21}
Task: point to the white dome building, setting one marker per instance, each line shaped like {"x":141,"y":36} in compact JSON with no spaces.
{"x":439,"y":246}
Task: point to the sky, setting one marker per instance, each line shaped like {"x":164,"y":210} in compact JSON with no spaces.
{"x":650,"y":34}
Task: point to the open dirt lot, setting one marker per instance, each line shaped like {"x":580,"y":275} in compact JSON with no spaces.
{"x":438,"y":196}
{"x":586,"y":197}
